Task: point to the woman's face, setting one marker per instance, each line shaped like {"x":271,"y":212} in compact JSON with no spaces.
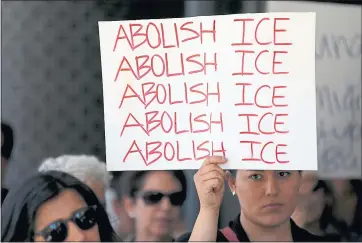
{"x":59,"y":209}
{"x":267,"y":198}
{"x":155,"y":214}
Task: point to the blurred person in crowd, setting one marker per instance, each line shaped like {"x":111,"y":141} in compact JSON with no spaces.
{"x":110,"y":198}
{"x":54,"y":206}
{"x":124,"y":225}
{"x":267,"y":201}
{"x":153,"y":199}
{"x":313,"y":206}
{"x":87,"y":169}
{"x":345,"y":213}
{"x":7,"y":143}
{"x":332,"y":209}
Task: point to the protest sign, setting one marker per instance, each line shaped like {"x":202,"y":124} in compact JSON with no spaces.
{"x":338,"y":80}
{"x":241,"y":86}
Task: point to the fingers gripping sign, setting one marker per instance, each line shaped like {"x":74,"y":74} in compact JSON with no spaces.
{"x":210,"y":183}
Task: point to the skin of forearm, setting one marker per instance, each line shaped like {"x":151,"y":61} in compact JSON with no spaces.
{"x":206,"y":226}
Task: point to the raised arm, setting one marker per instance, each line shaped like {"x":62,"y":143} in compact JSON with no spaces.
{"x":210,"y":186}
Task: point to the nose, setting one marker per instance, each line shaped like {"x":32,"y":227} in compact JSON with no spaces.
{"x":272,"y":186}
{"x":75,"y":234}
{"x":165,"y":204}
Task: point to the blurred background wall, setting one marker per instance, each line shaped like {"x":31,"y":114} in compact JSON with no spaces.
{"x":51,"y":81}
{"x":51,"y":87}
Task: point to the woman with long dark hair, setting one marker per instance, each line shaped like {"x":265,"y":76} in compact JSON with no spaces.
{"x":54,"y":207}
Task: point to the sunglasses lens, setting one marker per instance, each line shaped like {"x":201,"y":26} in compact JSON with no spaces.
{"x":177,"y":198}
{"x":57,"y":232}
{"x":86,"y":218}
{"x":152,"y":197}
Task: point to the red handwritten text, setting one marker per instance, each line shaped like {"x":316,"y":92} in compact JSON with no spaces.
{"x":273,"y":61}
{"x":170,"y":123}
{"x":199,"y":93}
{"x":153,"y":35}
{"x":158,"y":65}
{"x":268,"y":123}
{"x":153,"y":151}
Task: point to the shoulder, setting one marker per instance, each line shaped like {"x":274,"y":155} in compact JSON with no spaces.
{"x":185,"y":237}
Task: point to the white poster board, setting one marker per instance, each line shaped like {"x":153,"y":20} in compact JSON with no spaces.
{"x":338,"y":79}
{"x":241,"y":86}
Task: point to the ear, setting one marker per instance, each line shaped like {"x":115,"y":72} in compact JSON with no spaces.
{"x":129,"y":206}
{"x":231,"y":182}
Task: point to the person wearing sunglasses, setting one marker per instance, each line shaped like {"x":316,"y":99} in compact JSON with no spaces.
{"x":267,"y":199}
{"x":54,"y":206}
{"x":86,"y":168}
{"x":153,"y":199}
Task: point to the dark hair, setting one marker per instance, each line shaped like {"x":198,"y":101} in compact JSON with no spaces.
{"x":8,"y":143}
{"x":133,"y":181}
{"x":20,"y":206}
{"x":327,"y":217}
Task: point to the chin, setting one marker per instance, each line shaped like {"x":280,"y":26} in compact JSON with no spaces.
{"x":161,"y":232}
{"x":273,"y":220}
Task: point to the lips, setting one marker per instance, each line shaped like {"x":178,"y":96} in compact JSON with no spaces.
{"x":273,"y":205}
{"x":164,"y":220}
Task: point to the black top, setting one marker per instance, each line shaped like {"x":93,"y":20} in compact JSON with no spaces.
{"x":4,"y":192}
{"x":298,"y":234}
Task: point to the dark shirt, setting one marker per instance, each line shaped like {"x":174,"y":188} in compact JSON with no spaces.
{"x":4,"y":192}
{"x":298,"y":234}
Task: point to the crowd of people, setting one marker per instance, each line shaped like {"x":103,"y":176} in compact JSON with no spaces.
{"x":66,"y":200}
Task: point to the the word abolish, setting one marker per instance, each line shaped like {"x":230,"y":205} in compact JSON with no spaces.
{"x":169,"y":123}
{"x":154,"y":151}
{"x":166,"y":94}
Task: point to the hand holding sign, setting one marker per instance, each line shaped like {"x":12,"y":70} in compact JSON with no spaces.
{"x":177,"y":91}
{"x":210,"y":183}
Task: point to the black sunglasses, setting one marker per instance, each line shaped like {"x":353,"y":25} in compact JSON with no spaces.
{"x":84,"y":218}
{"x":152,"y":197}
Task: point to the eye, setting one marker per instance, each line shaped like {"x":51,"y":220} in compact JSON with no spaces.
{"x":256,"y":177}
{"x":284,"y":173}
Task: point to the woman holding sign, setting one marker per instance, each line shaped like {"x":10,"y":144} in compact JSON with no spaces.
{"x":267,"y":201}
